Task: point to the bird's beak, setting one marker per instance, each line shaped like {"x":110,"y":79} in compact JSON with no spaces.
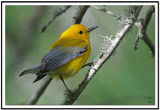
{"x":92,"y":28}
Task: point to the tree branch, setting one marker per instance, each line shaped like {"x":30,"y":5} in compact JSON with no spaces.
{"x":127,"y":25}
{"x":142,"y":34}
{"x":56,"y":14}
{"x":38,"y":93}
{"x":107,"y":11}
{"x":40,"y":90}
{"x":77,"y":18}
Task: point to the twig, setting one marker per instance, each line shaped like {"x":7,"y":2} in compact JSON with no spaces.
{"x":35,"y":97}
{"x":56,"y":14}
{"x":142,"y":34}
{"x":107,"y":11}
{"x":71,"y":97}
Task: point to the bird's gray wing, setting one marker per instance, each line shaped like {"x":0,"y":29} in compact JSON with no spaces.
{"x":59,"y":56}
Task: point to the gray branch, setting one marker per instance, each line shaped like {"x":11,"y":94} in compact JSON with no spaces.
{"x":40,"y":90}
{"x":38,"y":93}
{"x":107,"y":11}
{"x":133,"y":14}
{"x":142,"y":30}
{"x":77,"y":18}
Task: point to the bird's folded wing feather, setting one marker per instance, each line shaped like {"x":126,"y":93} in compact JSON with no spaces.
{"x":62,"y":54}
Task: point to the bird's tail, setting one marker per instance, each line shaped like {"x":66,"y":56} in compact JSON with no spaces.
{"x":33,"y":70}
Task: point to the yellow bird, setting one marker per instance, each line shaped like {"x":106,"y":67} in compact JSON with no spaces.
{"x":66,"y":56}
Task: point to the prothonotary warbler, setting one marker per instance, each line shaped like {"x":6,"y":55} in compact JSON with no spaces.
{"x":66,"y":56}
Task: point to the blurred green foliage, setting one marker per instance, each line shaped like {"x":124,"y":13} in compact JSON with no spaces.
{"x":127,"y":78}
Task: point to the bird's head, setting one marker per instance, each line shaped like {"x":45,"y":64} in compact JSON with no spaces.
{"x":78,"y":31}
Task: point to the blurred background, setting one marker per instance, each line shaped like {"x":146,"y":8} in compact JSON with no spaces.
{"x":127,"y":78}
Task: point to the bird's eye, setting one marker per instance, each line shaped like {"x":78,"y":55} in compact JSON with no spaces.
{"x":80,"y":32}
